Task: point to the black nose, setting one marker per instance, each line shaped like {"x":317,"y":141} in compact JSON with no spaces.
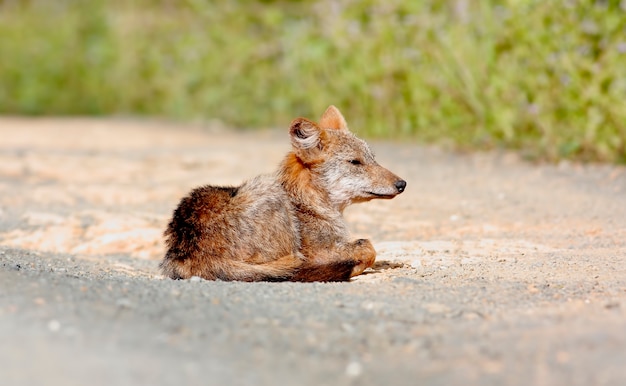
{"x":400,"y":185}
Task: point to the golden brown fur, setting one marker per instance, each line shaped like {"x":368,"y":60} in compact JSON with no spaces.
{"x":288,"y":225}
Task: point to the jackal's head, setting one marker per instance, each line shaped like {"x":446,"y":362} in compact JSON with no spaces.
{"x":340,"y":163}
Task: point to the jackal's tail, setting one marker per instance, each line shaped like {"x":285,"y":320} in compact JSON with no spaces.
{"x":288,"y":268}
{"x":333,"y":271}
{"x":222,"y":269}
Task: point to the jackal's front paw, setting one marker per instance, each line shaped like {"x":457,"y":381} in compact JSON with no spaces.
{"x":364,"y":254}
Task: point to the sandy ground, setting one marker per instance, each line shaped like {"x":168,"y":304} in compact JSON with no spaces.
{"x":491,"y":270}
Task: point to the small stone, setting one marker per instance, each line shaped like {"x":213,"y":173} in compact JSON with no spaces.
{"x":124,"y":303}
{"x":54,"y":325}
{"x":347,"y":328}
{"x":436,"y":308}
{"x":354,"y":369}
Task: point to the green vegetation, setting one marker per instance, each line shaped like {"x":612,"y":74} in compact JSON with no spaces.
{"x":546,"y":77}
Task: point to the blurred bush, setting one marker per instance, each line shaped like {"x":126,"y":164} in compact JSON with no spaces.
{"x":546,"y":77}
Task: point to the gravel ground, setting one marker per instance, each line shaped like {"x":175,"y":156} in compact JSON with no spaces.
{"x":491,"y":270}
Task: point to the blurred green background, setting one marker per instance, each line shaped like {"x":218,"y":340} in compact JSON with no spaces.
{"x":545,"y":77}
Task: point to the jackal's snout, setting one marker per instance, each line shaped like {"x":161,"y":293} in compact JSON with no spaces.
{"x":384,"y":184}
{"x":400,"y":185}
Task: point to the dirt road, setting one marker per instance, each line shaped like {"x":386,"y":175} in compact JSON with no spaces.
{"x":491,"y":270}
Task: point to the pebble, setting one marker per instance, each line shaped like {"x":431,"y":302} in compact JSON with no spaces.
{"x":124,"y":303}
{"x":354,"y":369}
{"x":54,"y":325}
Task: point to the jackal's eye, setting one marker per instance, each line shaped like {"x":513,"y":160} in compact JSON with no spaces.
{"x":355,"y":162}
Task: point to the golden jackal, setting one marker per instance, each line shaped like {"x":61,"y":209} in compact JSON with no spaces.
{"x":287,"y":225}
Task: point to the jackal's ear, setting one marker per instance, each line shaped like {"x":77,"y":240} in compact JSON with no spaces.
{"x":333,"y":119}
{"x":305,"y":139}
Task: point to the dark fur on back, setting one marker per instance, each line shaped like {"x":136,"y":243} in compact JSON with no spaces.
{"x":186,"y":227}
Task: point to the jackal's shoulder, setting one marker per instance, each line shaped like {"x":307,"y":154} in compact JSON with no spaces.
{"x":264,"y":190}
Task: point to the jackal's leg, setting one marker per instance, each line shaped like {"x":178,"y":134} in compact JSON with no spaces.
{"x":364,"y":254}
{"x":338,"y":264}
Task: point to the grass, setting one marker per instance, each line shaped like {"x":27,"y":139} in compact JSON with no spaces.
{"x":545,"y":77}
